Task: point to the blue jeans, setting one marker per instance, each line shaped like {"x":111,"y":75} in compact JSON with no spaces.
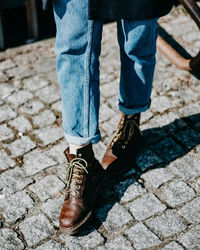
{"x":78,"y":47}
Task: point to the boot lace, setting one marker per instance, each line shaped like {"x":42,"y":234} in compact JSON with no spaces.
{"x":124,"y":133}
{"x":75,"y":173}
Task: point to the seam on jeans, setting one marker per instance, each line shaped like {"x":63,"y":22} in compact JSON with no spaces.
{"x":87,"y":79}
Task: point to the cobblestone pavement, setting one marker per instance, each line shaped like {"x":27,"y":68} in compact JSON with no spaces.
{"x":155,"y":206}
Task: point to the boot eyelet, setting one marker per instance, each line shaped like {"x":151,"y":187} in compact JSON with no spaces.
{"x":79,"y":155}
{"x":124,"y":146}
{"x":78,"y":187}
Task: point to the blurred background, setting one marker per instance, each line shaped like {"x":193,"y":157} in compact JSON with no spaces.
{"x":23,"y":21}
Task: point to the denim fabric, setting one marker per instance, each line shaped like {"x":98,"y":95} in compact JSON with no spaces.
{"x":78,"y":47}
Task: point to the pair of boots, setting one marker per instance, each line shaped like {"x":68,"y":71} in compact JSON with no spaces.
{"x":85,"y":175}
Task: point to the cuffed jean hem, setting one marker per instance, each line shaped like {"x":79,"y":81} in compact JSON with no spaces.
{"x":133,"y":111}
{"x":81,"y":141}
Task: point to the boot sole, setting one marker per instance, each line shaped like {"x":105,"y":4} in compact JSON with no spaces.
{"x":80,"y":225}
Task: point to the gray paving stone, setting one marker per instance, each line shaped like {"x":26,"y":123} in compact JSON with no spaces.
{"x":113,"y":217}
{"x":142,"y":237}
{"x":51,"y":245}
{"x":37,"y":161}
{"x":190,"y":109}
{"x":105,"y":113}
{"x":5,"y":160}
{"x":21,"y":146}
{"x":13,"y":180}
{"x":19,"y":98}
{"x":57,"y":152}
{"x":160,"y":104}
{"x":35,"y":83}
{"x":172,"y":246}
{"x":5,"y":133}
{"x":145,"y":207}
{"x":6,"y":90}
{"x":20,"y":72}
{"x":145,"y":116}
{"x":89,"y":241}
{"x":44,"y":119}
{"x":52,"y":209}
{"x":118,"y":243}
{"x":3,"y":78}
{"x":152,"y":133}
{"x":47,"y":187}
{"x":6,"y":113}
{"x":128,"y":190}
{"x":191,"y":239}
{"x":49,"y":135}
{"x":45,"y":64}
{"x":31,"y":107}
{"x":57,"y":106}
{"x":186,"y":167}
{"x":7,"y":64}
{"x":109,"y":89}
{"x":21,"y":124}
{"x":16,"y":206}
{"x":183,"y":95}
{"x":9,"y":240}
{"x":48,"y":94}
{"x":156,"y":177}
{"x":35,"y":229}
{"x":191,"y":211}
{"x":197,"y":185}
{"x":166,"y":224}
{"x":176,"y":193}
{"x":110,"y":126}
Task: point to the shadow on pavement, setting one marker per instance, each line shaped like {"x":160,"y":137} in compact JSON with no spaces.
{"x":163,"y":146}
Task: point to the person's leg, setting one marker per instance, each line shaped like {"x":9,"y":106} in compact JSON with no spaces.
{"x":137,"y":41}
{"x":78,"y":45}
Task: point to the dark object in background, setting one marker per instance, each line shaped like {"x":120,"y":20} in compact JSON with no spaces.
{"x":16,"y":27}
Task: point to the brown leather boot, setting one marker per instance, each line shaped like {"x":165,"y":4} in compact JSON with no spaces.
{"x":84,"y":178}
{"x":122,"y":150}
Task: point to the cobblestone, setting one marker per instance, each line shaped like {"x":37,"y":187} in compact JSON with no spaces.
{"x":186,"y":167}
{"x":35,"y":229}
{"x":191,"y":211}
{"x":50,"y":245}
{"x":166,"y":224}
{"x":47,"y":187}
{"x":52,"y":209}
{"x":19,"y":98}
{"x":116,"y":217}
{"x":35,"y":162}
{"x":176,"y":193}
{"x":119,"y":243}
{"x":21,"y":146}
{"x":15,"y":207}
{"x":156,"y":177}
{"x":5,"y":133}
{"x":31,"y":107}
{"x":7,"y":64}
{"x":5,"y":160}
{"x":6,"y":113}
{"x":48,"y":94}
{"x":145,"y":206}
{"x":142,"y":237}
{"x":128,"y":190}
{"x":172,"y":246}
{"x":35,"y":83}
{"x":21,"y":124}
{"x":13,"y":180}
{"x":49,"y":135}
{"x":191,"y":239}
{"x":9,"y":240}
{"x":89,"y":241}
{"x":44,"y":119}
